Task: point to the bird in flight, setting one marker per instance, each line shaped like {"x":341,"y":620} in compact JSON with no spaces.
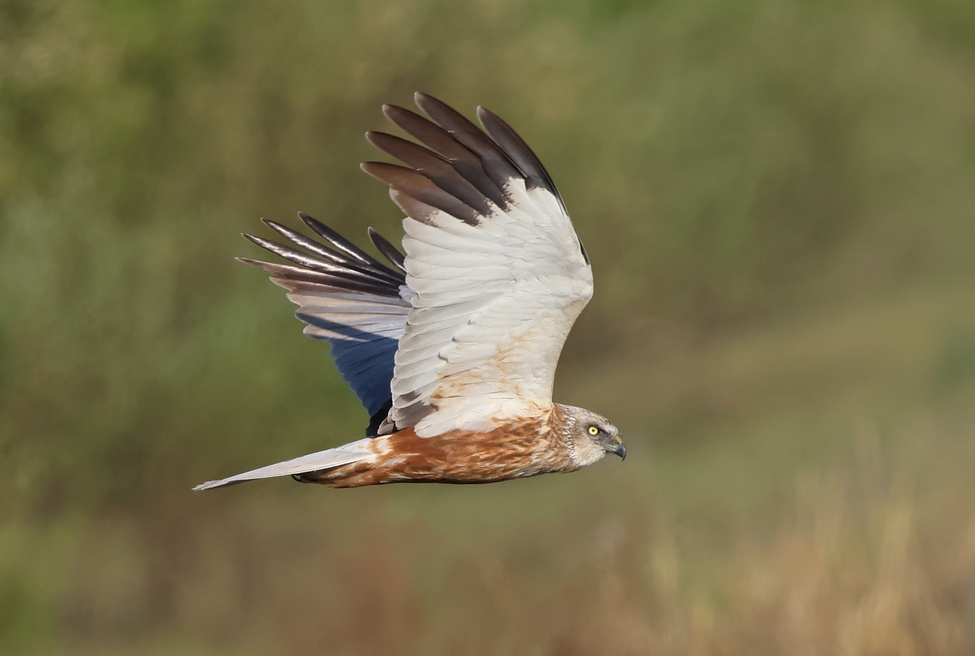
{"x":452,"y":349}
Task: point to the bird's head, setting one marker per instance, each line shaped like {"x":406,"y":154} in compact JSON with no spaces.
{"x":593,"y":436}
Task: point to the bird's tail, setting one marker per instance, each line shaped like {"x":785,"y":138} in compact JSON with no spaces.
{"x":328,"y":459}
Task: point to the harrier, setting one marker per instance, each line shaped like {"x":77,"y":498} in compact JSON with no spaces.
{"x":453,"y":349}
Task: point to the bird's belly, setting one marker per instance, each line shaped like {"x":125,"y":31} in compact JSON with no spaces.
{"x":456,"y":457}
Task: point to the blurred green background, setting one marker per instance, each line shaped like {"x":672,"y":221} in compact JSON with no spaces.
{"x":778,"y":198}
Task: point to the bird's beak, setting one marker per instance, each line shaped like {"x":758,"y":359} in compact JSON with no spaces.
{"x":620,"y":450}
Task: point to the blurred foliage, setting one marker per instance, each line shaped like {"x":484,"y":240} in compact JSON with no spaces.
{"x":731,"y":165}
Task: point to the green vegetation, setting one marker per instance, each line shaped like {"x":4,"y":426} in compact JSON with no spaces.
{"x":779,"y":201}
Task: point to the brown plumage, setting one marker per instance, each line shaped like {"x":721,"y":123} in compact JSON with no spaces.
{"x":453,"y":350}
{"x":533,"y":446}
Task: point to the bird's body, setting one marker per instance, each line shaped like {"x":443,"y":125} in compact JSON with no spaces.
{"x":453,"y":351}
{"x":514,"y":450}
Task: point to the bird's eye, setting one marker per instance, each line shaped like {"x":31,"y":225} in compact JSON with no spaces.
{"x":594,"y":430}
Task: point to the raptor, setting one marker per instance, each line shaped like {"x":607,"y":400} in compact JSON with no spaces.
{"x":451,"y":347}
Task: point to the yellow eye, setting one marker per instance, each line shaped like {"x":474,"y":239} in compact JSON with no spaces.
{"x":593,"y":430}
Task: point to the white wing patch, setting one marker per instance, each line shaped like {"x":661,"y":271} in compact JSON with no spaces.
{"x":482,"y":352}
{"x":499,"y":278}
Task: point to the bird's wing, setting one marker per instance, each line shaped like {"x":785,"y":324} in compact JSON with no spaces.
{"x":349,"y":299}
{"x":498,"y":271}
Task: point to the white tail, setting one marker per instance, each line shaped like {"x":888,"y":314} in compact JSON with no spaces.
{"x":342,"y":455}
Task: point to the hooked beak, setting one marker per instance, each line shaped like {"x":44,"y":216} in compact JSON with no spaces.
{"x":620,"y":450}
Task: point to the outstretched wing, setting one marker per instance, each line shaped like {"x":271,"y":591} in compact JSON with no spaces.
{"x":349,"y":299}
{"x":498,"y":271}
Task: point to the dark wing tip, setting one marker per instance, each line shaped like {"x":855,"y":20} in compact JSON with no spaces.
{"x":371,"y":137}
{"x":370,"y":167}
{"x":251,"y":238}
{"x":518,"y":151}
{"x":387,"y":249}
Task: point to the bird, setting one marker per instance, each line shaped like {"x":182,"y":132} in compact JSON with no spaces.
{"x":452,"y":346}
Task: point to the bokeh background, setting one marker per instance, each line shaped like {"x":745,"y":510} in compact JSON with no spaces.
{"x":778,"y":197}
